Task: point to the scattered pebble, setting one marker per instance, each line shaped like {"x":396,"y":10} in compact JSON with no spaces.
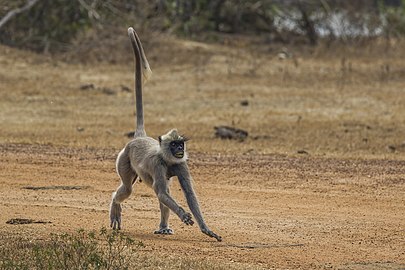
{"x":244,"y":103}
{"x":130,"y":134}
{"x":125,"y":88}
{"x":391,"y":148}
{"x":108,"y":91}
{"x":302,"y":152}
{"x":87,"y":86}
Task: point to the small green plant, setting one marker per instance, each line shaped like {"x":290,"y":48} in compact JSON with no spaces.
{"x":80,"y":250}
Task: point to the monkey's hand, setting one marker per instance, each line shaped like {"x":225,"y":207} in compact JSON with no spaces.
{"x":115,"y":215}
{"x":187,"y":219}
{"x":212,"y":234}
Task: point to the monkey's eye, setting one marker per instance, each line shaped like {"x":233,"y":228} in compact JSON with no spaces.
{"x":172,"y":144}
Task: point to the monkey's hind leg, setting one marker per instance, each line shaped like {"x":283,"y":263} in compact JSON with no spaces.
{"x":164,"y":220}
{"x":128,"y":178}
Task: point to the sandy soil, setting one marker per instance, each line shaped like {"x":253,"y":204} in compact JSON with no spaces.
{"x":339,"y":204}
{"x":272,"y":210}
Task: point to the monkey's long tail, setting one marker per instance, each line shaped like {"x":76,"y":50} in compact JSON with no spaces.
{"x":145,"y":71}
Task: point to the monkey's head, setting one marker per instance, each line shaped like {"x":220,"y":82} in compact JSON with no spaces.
{"x":173,"y":146}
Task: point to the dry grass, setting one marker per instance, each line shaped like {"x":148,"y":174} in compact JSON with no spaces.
{"x":331,"y":105}
{"x":93,"y":250}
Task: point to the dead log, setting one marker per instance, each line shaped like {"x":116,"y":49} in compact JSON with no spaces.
{"x":230,"y":133}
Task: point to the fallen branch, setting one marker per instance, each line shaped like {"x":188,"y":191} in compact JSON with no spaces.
{"x":230,"y":133}
{"x":17,"y":11}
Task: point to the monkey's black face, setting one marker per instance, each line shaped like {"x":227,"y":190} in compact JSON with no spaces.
{"x":177,"y":148}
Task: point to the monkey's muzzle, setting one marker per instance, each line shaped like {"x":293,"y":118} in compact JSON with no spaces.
{"x":179,"y":154}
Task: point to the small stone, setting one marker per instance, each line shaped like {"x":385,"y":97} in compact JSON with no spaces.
{"x":87,"y":86}
{"x":244,"y":103}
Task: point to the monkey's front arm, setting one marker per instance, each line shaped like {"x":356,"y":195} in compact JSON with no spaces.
{"x":182,"y":173}
{"x":160,"y":186}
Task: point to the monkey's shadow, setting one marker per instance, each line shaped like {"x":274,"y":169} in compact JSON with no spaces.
{"x":168,"y":238}
{"x":260,"y":245}
{"x":224,"y":244}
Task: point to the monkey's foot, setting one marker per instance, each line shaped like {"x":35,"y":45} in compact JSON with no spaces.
{"x":212,"y":234}
{"x":115,"y":216}
{"x":166,"y":231}
{"x":187,"y":219}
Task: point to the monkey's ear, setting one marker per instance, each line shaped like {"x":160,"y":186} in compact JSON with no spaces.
{"x":185,"y":139}
{"x":160,"y":139}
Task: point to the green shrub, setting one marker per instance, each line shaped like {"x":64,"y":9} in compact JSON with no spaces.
{"x":80,"y":250}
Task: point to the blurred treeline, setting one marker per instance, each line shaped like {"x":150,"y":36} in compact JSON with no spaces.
{"x":52,"y":25}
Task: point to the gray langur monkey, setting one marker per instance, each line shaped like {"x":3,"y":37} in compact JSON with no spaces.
{"x":154,"y":162}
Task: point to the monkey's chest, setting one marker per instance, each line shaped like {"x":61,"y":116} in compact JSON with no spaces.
{"x":169,"y":174}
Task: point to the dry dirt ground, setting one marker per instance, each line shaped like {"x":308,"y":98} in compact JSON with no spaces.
{"x":318,"y":183}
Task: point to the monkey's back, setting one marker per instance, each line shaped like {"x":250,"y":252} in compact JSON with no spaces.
{"x":143,"y":153}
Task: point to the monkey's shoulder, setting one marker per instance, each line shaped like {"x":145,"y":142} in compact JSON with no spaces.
{"x":142,"y":148}
{"x":143,"y":143}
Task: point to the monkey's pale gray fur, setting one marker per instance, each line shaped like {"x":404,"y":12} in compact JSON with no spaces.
{"x":154,"y":162}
